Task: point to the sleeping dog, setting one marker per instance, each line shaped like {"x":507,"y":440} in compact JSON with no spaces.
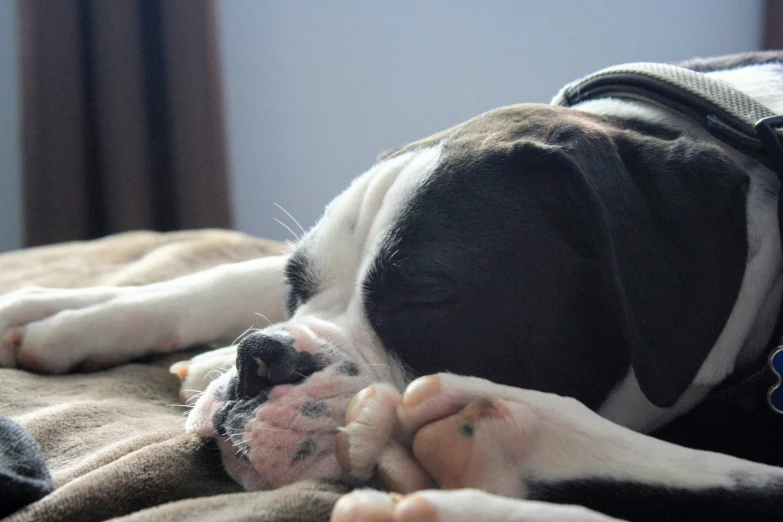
{"x":510,"y":305}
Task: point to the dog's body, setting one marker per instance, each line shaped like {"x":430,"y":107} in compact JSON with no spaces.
{"x":614,"y":252}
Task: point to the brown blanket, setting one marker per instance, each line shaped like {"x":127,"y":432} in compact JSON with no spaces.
{"x":114,"y":440}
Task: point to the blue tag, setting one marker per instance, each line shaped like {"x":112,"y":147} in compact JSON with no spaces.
{"x":775,"y":393}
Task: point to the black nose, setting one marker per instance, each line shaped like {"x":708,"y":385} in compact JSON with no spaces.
{"x":284,"y":365}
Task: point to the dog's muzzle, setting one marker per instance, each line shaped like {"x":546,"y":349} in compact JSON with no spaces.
{"x":263,"y":362}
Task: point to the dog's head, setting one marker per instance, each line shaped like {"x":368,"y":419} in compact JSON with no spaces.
{"x":535,"y":246}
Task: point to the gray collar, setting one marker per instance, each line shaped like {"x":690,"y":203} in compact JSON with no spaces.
{"x":727,"y":113}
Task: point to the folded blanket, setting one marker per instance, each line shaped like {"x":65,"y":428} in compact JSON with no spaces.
{"x":114,"y":440}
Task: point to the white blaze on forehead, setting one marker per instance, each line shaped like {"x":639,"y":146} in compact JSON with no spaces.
{"x":341,"y":247}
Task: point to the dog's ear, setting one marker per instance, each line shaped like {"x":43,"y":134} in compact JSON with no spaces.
{"x":665,"y":221}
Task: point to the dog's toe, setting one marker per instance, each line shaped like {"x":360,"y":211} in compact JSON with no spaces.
{"x":365,"y":505}
{"x":180,"y":369}
{"x":370,"y":419}
{"x":9,"y":345}
{"x":368,"y":445}
{"x":198,"y":372}
{"x":483,"y":445}
{"x":464,"y":505}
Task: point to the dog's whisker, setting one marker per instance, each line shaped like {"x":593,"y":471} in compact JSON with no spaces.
{"x":287,"y":228}
{"x":240,"y":336}
{"x":198,"y":392}
{"x":262,"y":316}
{"x":217,"y":372}
{"x":285,"y":430}
{"x":196,"y":395}
{"x":366,"y":365}
{"x":292,"y":218}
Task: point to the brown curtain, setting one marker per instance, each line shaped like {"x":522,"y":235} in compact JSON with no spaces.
{"x":773,"y":25}
{"x":122,"y":118}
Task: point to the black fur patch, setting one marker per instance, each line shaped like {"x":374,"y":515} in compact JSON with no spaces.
{"x":231,"y":418}
{"x":302,"y":284}
{"x":305,"y":449}
{"x":228,"y":392}
{"x":349,"y":368}
{"x":314,"y":409}
{"x":645,"y":502}
{"x":543,"y":247}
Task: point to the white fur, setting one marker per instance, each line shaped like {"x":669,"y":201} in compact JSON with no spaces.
{"x":62,"y":328}
{"x":354,"y":224}
{"x":573,"y":442}
{"x":343,"y":244}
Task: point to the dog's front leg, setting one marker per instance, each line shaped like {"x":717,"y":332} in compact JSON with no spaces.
{"x":463,"y":505}
{"x":465,"y":432}
{"x":55,"y":330}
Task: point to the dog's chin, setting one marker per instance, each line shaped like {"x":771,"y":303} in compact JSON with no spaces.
{"x":267,"y":444}
{"x":245,"y":472}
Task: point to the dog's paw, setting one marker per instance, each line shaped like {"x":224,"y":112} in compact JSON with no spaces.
{"x":28,"y":317}
{"x":198,"y":372}
{"x":368,"y":445}
{"x":465,"y":505}
{"x":463,"y":432}
{"x":50,"y":330}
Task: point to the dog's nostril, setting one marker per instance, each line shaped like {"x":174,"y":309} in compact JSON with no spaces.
{"x":284,"y":365}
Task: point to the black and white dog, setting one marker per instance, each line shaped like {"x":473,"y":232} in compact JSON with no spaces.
{"x":597,"y":271}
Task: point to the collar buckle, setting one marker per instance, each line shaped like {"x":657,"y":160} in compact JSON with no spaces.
{"x":770,"y":133}
{"x":775,"y":392}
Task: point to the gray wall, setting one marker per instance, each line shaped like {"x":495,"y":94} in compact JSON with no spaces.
{"x":10,"y":143}
{"x":315,"y":90}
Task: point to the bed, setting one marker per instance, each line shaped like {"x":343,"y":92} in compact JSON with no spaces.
{"x":114,"y":440}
